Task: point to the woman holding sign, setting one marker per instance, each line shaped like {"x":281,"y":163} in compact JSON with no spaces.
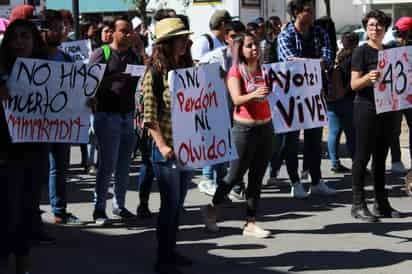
{"x":23,"y":166}
{"x":170,"y":52}
{"x":373,"y":133}
{"x":253,"y":133}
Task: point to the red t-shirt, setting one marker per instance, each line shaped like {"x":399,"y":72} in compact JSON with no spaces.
{"x":255,"y":110}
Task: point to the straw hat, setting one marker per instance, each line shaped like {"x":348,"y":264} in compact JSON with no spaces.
{"x":170,"y":27}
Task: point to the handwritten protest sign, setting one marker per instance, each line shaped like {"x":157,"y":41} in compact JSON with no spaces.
{"x":47,"y":100}
{"x":200,"y":117}
{"x":296,"y":101}
{"x":79,"y":51}
{"x":393,"y":90}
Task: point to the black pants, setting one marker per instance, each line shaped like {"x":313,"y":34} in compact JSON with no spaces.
{"x":254,"y":146}
{"x":21,"y":178}
{"x":373,"y":136}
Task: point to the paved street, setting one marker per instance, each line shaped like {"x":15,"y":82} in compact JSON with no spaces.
{"x":316,"y":235}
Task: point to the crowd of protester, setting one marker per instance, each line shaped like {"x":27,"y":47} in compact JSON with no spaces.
{"x":129,"y":119}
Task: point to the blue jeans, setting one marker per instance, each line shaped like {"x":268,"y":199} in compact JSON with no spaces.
{"x":173,"y":183}
{"x":146,"y":173}
{"x":59,"y":160}
{"x":114,"y":132}
{"x":215,"y":173}
{"x":340,"y":114}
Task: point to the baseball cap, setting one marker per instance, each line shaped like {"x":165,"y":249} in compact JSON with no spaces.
{"x":404,"y":23}
{"x":220,"y":16}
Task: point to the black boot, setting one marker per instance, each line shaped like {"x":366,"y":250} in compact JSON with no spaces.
{"x":383,"y":209}
{"x":362,"y":213}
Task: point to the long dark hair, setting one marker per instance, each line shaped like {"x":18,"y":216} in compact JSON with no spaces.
{"x":162,"y":57}
{"x":238,"y":57}
{"x":39,"y":48}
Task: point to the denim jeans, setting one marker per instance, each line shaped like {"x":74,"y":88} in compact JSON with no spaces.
{"x":146,"y":173}
{"x":21,"y":177}
{"x":254,"y":145}
{"x":340,"y":114}
{"x":215,"y":173}
{"x":173,"y":182}
{"x":114,"y":132}
{"x":396,"y":147}
{"x":59,"y":160}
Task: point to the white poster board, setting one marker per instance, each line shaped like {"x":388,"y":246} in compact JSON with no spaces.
{"x":200,"y":117}
{"x":393,"y":90}
{"x":48,"y":99}
{"x":79,"y":51}
{"x":295,"y":101}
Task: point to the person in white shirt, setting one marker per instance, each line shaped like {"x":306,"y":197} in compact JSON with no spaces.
{"x":213,"y":40}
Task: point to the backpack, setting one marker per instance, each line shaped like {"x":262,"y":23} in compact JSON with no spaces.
{"x":210,"y":40}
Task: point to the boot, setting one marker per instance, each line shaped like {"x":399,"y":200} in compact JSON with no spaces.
{"x":362,"y":213}
{"x":383,"y":209}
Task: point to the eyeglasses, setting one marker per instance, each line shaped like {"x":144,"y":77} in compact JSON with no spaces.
{"x":375,"y":26}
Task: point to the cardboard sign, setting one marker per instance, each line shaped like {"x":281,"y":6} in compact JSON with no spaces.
{"x":47,"y":100}
{"x":201,"y":123}
{"x":296,"y":101}
{"x":79,"y":51}
{"x":393,"y":90}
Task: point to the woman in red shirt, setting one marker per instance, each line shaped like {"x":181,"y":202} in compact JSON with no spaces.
{"x":253,"y":133}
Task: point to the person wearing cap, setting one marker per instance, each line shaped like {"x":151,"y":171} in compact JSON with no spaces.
{"x":213,"y":40}
{"x":22,"y":12}
{"x":170,"y":52}
{"x":113,"y":121}
{"x":403,"y":33}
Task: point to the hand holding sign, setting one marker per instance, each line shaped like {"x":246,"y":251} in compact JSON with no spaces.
{"x":374,"y":75}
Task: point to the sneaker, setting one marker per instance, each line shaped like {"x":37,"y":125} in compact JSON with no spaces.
{"x":298,"y":191}
{"x":322,"y":189}
{"x":144,"y":212}
{"x":91,"y":170}
{"x":238,"y":195}
{"x":123,"y":213}
{"x":43,"y":238}
{"x":385,"y":210}
{"x":209,"y":218}
{"x":398,"y":168}
{"x":100,"y":218}
{"x":339,"y":168}
{"x":207,"y":187}
{"x":253,"y":230}
{"x":67,"y":219}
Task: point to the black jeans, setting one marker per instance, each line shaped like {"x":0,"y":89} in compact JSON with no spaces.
{"x":21,"y":178}
{"x":373,"y":136}
{"x":289,"y":150}
{"x":254,"y":146}
{"x":146,"y":175}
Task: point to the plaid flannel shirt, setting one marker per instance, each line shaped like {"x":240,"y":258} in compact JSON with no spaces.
{"x":151,"y":115}
{"x":290,"y":44}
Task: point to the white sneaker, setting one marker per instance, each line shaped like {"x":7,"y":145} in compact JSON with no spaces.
{"x":233,"y":195}
{"x":204,"y":186}
{"x":255,"y":231}
{"x":398,"y":168}
{"x":209,"y":218}
{"x":298,"y":191}
{"x":322,"y":189}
